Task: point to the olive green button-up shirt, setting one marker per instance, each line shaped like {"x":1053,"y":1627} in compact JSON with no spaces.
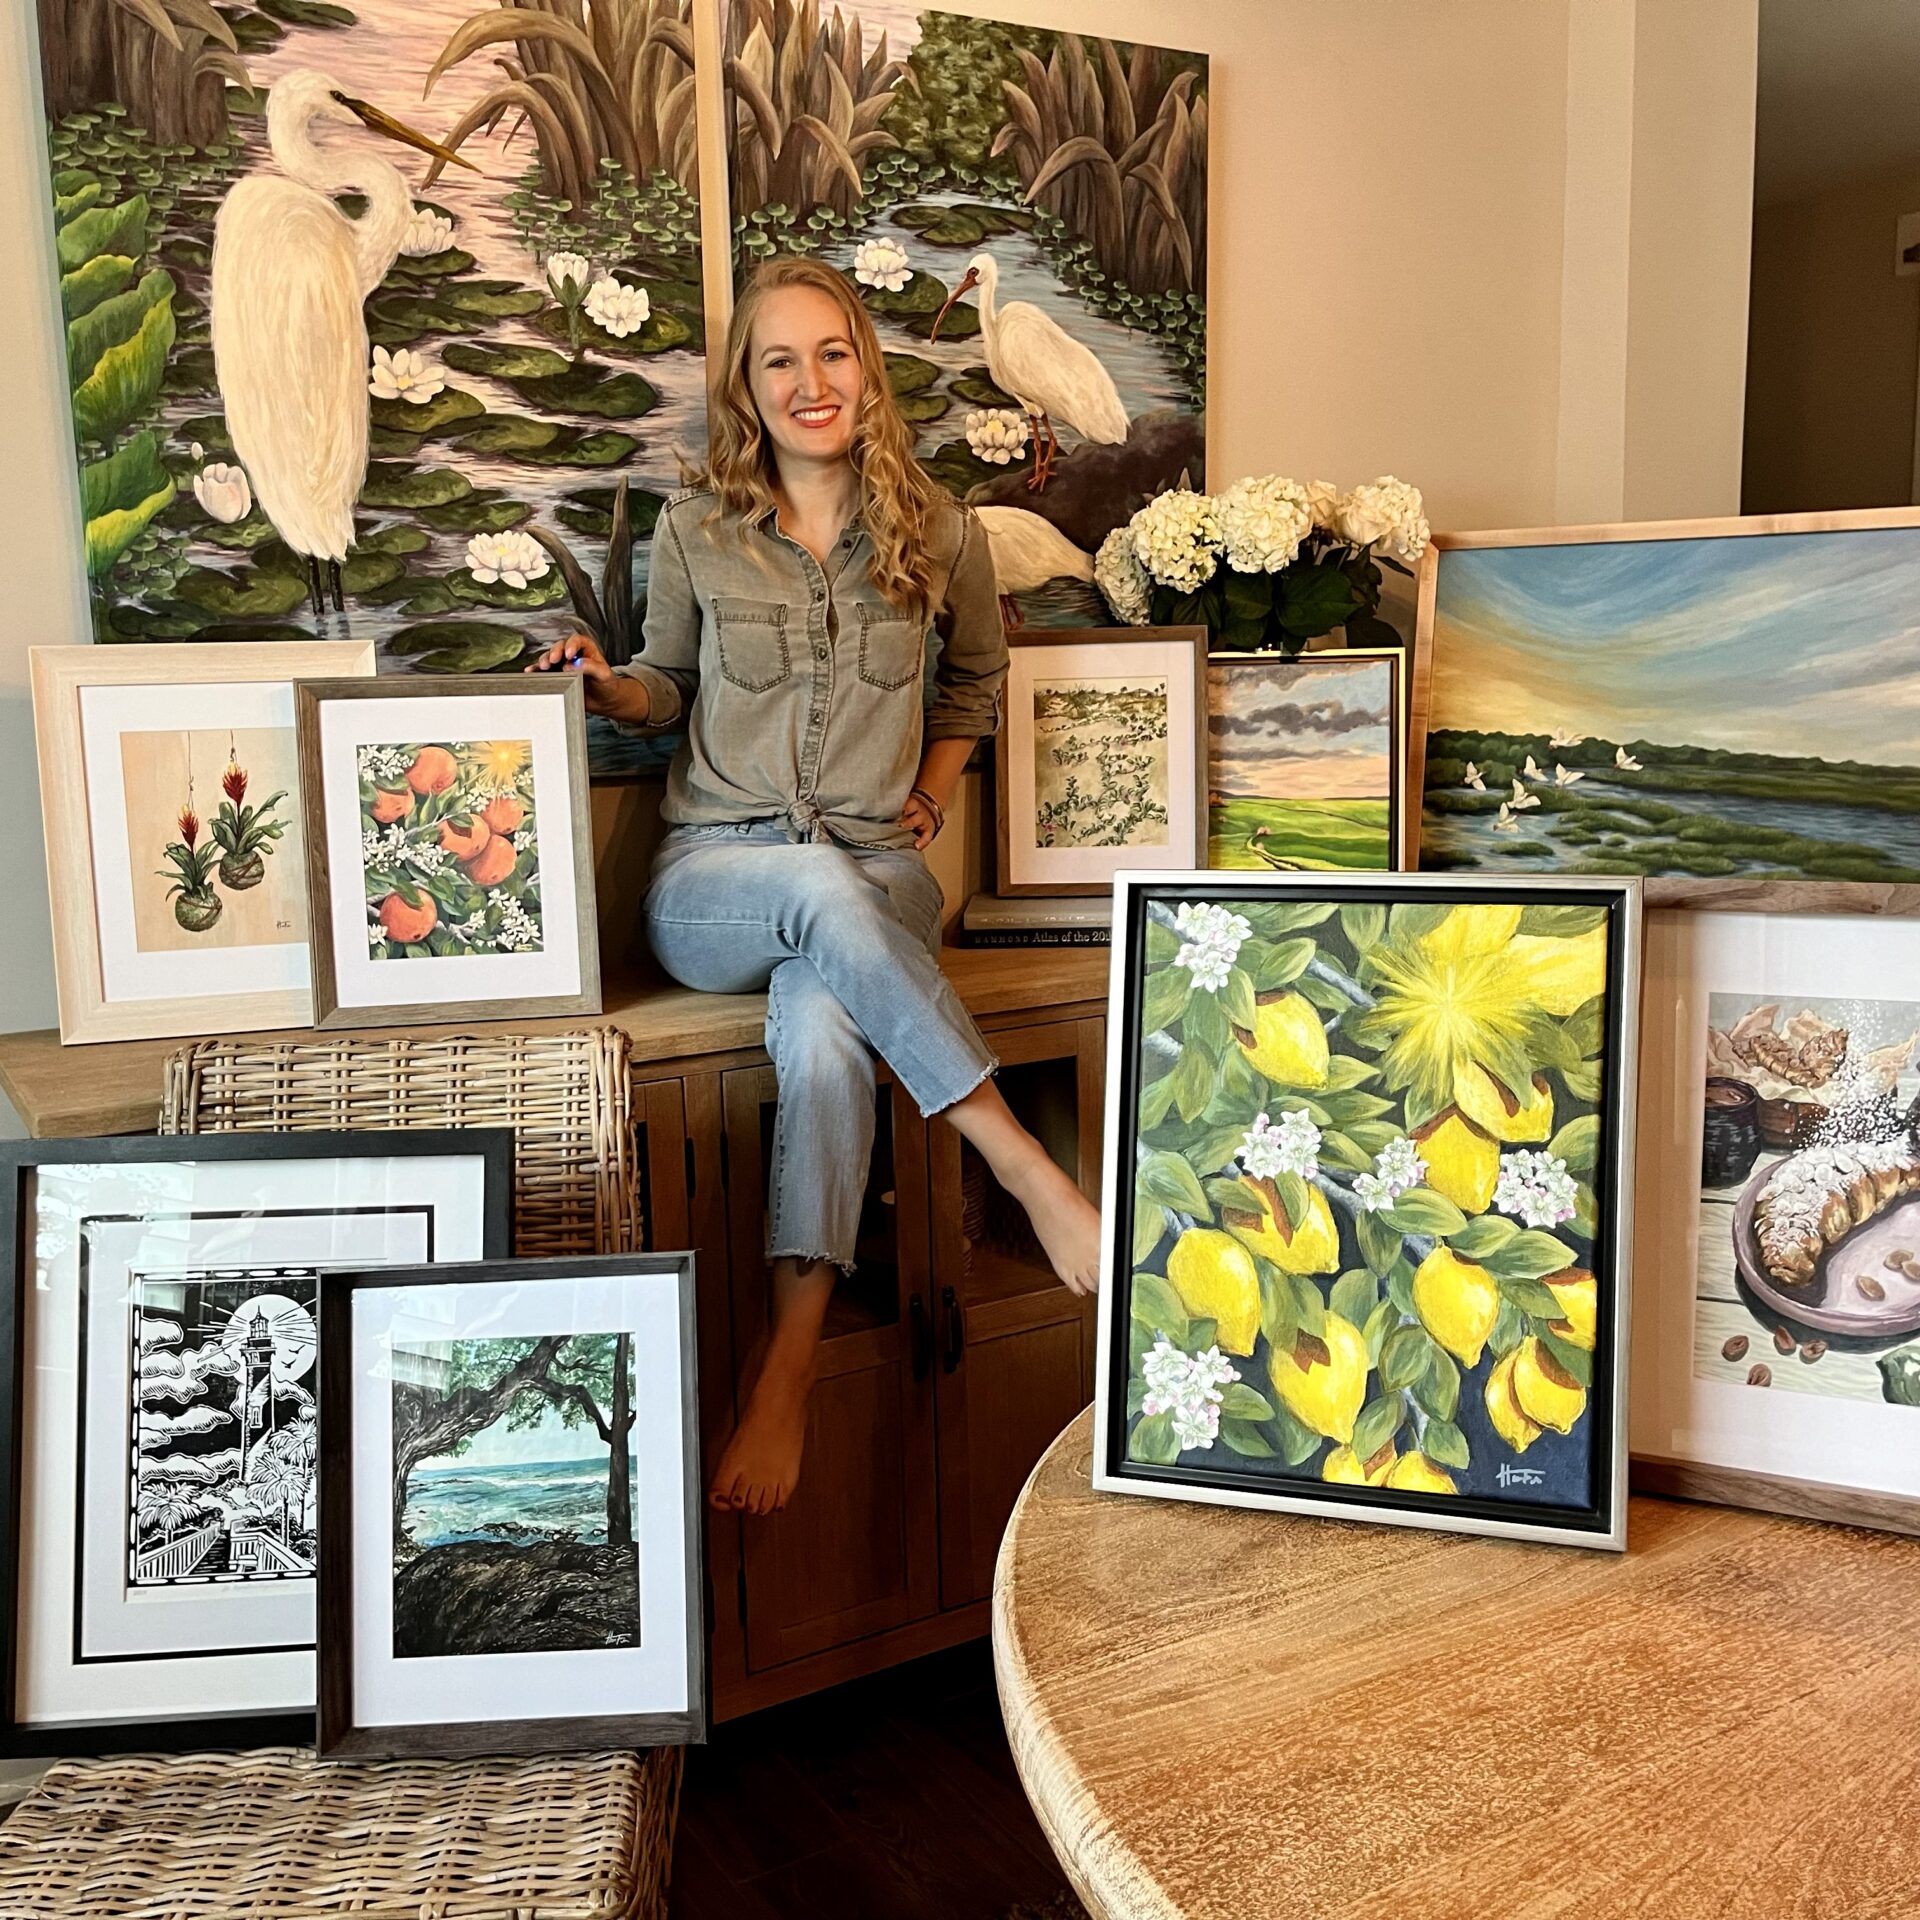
{"x":798,"y":684}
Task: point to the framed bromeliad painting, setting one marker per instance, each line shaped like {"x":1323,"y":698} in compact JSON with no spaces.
{"x":450,"y":861}
{"x":158,"y":1515}
{"x":1369,"y":1147}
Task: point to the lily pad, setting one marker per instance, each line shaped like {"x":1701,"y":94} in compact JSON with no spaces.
{"x":660,"y":331}
{"x":958,"y":468}
{"x":389,"y":484}
{"x":172,"y":620}
{"x":410,"y":269}
{"x":486,"y":511}
{"x":553,"y":382}
{"x":307,"y":13}
{"x":447,"y":408}
{"x":252,"y":32}
{"x":490,"y":299}
{"x":572,"y":448}
{"x":398,"y":319}
{"x":190,"y":370}
{"x":508,"y":433}
{"x":410,"y":595}
{"x":398,"y":538}
{"x":548,"y":591}
{"x":918,"y":303}
{"x":921,"y":407}
{"x":908,"y":373}
{"x":964,"y":224}
{"x":362,"y":569}
{"x":458,"y":646}
{"x":385,"y":444}
{"x":977,"y":389}
{"x":241,"y":596}
{"x":590,"y":510}
{"x":241,"y":536}
{"x":506,"y":363}
{"x":210,"y":429}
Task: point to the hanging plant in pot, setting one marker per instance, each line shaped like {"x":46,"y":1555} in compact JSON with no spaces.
{"x":244,"y":834}
{"x":1268,"y":564}
{"x":190,"y":866}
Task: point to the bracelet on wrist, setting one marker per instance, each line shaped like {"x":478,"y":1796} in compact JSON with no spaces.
{"x":934,"y":807}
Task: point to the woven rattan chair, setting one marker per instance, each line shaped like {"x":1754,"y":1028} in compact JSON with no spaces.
{"x":251,"y":1835}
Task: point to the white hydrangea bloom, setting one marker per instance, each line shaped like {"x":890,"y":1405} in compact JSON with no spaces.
{"x":404,"y":375}
{"x":515,"y":558}
{"x":1262,"y":522}
{"x":1122,"y":580}
{"x":997,"y":434}
{"x":569,"y":275}
{"x":1397,"y":1169}
{"x":1177,"y":539}
{"x":1291,"y":1146}
{"x":1535,"y":1187}
{"x":1211,"y":937}
{"x":1386,"y":512}
{"x":617,"y":308}
{"x":428,"y":232}
{"x":881,"y":263}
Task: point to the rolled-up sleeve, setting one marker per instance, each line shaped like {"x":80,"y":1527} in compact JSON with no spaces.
{"x":668,"y":663}
{"x":972,"y":666}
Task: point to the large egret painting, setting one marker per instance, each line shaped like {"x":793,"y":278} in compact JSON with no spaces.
{"x":1026,"y":213}
{"x":383,"y":317}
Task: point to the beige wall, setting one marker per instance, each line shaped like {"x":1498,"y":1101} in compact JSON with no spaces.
{"x":1834,"y":343}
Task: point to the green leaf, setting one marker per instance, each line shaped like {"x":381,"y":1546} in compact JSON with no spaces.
{"x":1239,"y":1401}
{"x":1136,"y":1393}
{"x":1483,"y":1236}
{"x":1193,"y":1080}
{"x":1529,"y":1256}
{"x":1149,"y":1229}
{"x":1586,"y":1026}
{"x":1509,"y":1329}
{"x":1380,"y":1322}
{"x":1238,"y":1079}
{"x":1157,"y":1307}
{"x":1279,"y":1311}
{"x":1379,"y":1243}
{"x":1529,"y":1296}
{"x":1577,"y":1361}
{"x":1578,"y":1143}
{"x":1297,"y":1442}
{"x":1248,"y":596}
{"x":1310,"y":1310}
{"x":1162,"y":944}
{"x":1154,"y":1102}
{"x":1273,"y":918}
{"x":1167,"y":1178}
{"x":1562,"y":923}
{"x":1202,"y":1334}
{"x":1363,"y":924}
{"x":1371,"y":1135}
{"x":1226,"y":1192}
{"x":1344,"y":1151}
{"x":1583,"y":1081}
{"x":1153,"y":1443}
{"x":1379,"y":1421}
{"x":1312,"y":599}
{"x":1414,"y":919}
{"x":1421,"y":1210}
{"x":1245,"y":1439}
{"x":1349,"y":1109}
{"x":1293,"y":1197}
{"x":1280,"y":966}
{"x":1206,"y":1024}
{"x":1344,"y":1072}
{"x":1400,"y":1286}
{"x":125,"y":380}
{"x":1586,"y":1209}
{"x":1444,"y":1442}
{"x":1324,"y":994}
{"x":1237,"y":998}
{"x":1438,"y":1389}
{"x":1355,"y":1295}
{"x":1403,"y":1357}
{"x":1165,"y":999}
{"x":1900,"y":1376}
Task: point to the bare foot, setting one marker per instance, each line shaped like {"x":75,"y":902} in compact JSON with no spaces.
{"x":761,"y":1465}
{"x":1064,"y":1220}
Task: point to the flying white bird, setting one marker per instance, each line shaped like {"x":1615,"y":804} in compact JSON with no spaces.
{"x":1522,"y":799}
{"x":1565,"y":739}
{"x":1031,"y":356}
{"x":1503,"y":821}
{"x":290,"y":272}
{"x":1562,"y":777}
{"x":1531,"y":772}
{"x":1474,"y":780}
{"x":1625,"y":761}
{"x":1027,"y":552}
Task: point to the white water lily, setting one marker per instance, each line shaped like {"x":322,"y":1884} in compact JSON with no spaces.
{"x":1122,"y":580}
{"x":881,"y":263}
{"x":429,"y":231}
{"x":404,"y":375}
{"x":998,"y":434}
{"x":516,"y":559}
{"x":569,"y":275}
{"x":617,"y":308}
{"x":223,"y":492}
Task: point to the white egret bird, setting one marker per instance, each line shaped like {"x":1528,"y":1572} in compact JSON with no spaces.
{"x":1503,"y":821}
{"x":1565,"y":737}
{"x":1522,"y":799}
{"x":290,"y":272}
{"x":1531,"y":772}
{"x":1625,"y":761}
{"x":1027,"y":552}
{"x":1475,"y":779}
{"x":1031,"y":356}
{"x":1566,"y":776}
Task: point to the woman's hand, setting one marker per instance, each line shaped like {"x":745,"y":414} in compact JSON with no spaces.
{"x":923,"y":819}
{"x":607,"y":692}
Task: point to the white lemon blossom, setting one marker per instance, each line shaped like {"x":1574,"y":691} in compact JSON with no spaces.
{"x":569,"y":275}
{"x":1397,"y":1169}
{"x":429,"y":231}
{"x":617,"y":308}
{"x":385,"y":765}
{"x":1210,"y":943}
{"x":1122,"y":580}
{"x":1535,"y":1187}
{"x":1293,"y":1146}
{"x":1187,"y":1386}
{"x":1177,"y":539}
{"x":223,"y":492}
{"x":515,"y":558}
{"x":1262,"y":522}
{"x":998,"y":434}
{"x":404,"y":375}
{"x":881,"y":263}
{"x":1386,"y":512}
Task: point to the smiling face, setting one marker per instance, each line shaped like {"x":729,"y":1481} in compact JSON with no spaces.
{"x":804,"y":374}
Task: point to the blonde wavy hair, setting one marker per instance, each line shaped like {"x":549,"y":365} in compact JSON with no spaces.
{"x":897,"y":498}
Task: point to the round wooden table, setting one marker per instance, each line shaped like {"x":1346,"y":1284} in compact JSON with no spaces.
{"x":1220,"y":1715}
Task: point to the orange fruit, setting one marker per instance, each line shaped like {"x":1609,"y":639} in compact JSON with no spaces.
{"x":432,"y":771}
{"x":408,"y":924}
{"x":503,"y":813}
{"x":464,"y":842}
{"x":491,"y":864}
{"x":391,"y":804}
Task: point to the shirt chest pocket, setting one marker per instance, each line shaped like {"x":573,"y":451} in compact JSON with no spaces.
{"x":752,"y":639}
{"x":891,"y":648}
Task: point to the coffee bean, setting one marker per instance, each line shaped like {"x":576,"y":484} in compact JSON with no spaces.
{"x":1912,"y":1269}
{"x":1759,"y":1375}
{"x":1871,"y":1287}
{"x":1812,"y":1351}
{"x":1897,"y":1259}
{"x":1735,"y":1349}
{"x":1783,"y":1341}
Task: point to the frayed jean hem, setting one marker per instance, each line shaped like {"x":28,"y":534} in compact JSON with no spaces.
{"x":985,"y":1074}
{"x":809,"y":1256}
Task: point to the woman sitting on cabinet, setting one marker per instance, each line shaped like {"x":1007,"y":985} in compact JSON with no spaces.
{"x":789,"y":595}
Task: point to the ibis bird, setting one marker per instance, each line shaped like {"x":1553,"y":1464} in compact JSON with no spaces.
{"x":1031,"y":356}
{"x":1027,"y":552}
{"x":290,"y":272}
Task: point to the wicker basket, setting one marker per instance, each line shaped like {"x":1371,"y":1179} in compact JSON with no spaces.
{"x":273,"y":1836}
{"x":567,"y":1096}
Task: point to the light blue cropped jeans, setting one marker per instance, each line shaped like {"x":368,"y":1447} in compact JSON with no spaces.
{"x":843,"y":940}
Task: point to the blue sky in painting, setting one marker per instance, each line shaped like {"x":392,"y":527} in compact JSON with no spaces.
{"x":1784,"y":643}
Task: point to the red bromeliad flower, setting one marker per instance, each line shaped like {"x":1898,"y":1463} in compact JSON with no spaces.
{"x":189,"y":825}
{"x":233,"y":783}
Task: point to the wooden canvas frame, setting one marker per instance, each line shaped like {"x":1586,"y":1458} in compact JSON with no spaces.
{"x":1023,"y":637}
{"x":60,"y":675}
{"x":1789,"y":895}
{"x":328,"y":1013}
{"x":340,"y":1734}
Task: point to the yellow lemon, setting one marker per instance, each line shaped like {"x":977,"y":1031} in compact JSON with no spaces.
{"x":1515,"y":1114}
{"x":1579,"y":1305}
{"x":1289,"y":1042}
{"x":1558,"y":974}
{"x":1509,"y":1422}
{"x":1215,"y":1278}
{"x":1543,"y":1389}
{"x":1457,"y":1303}
{"x":1312,"y":1247}
{"x":1343,"y":1470}
{"x":1417,"y":1474}
{"x":1325,"y":1395}
{"x":1462,"y":1162}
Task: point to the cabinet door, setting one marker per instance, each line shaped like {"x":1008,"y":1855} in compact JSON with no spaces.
{"x":856,"y":1549}
{"x":1015,"y":1347}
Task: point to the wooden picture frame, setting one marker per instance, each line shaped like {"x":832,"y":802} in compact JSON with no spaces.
{"x":1448,"y":1293}
{"x":357,"y":1424}
{"x":1186,"y":843}
{"x":79,"y":825}
{"x":1777,"y":892}
{"x":559,"y":973}
{"x":92,"y":1658}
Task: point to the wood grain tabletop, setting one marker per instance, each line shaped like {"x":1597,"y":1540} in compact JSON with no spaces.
{"x":1222,"y":1715}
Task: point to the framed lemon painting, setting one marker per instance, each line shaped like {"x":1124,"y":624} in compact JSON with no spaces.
{"x":1368,"y":1148}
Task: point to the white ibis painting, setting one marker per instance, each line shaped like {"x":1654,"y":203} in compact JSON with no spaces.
{"x":1028,"y":552}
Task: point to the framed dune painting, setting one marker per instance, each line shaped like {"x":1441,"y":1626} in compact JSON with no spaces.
{"x":1721,"y":706}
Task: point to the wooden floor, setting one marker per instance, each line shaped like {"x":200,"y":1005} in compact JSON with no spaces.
{"x":893,"y":1798}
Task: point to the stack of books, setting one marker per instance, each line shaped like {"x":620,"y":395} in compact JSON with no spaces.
{"x":1051,"y":920}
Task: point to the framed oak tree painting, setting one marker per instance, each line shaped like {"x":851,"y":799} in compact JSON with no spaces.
{"x":1368,"y":1144}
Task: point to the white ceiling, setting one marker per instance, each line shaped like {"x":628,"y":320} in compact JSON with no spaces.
{"x":1839,"y":93}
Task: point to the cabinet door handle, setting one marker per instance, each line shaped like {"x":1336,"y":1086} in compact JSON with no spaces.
{"x":956,"y":1329}
{"x":920,"y":1332}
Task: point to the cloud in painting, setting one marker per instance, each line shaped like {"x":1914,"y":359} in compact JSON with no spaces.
{"x":196,"y":1469}
{"x":184,"y":1376}
{"x":157,"y":1429}
{"x":1295,"y":717}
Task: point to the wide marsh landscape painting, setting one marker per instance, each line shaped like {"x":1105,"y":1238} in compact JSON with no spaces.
{"x":1706,"y":709}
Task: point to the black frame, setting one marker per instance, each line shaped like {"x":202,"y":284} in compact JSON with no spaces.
{"x":339,"y":1735}
{"x":492,"y":1146}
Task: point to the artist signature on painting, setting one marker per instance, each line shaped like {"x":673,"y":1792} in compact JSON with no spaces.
{"x":1520,"y":1476}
